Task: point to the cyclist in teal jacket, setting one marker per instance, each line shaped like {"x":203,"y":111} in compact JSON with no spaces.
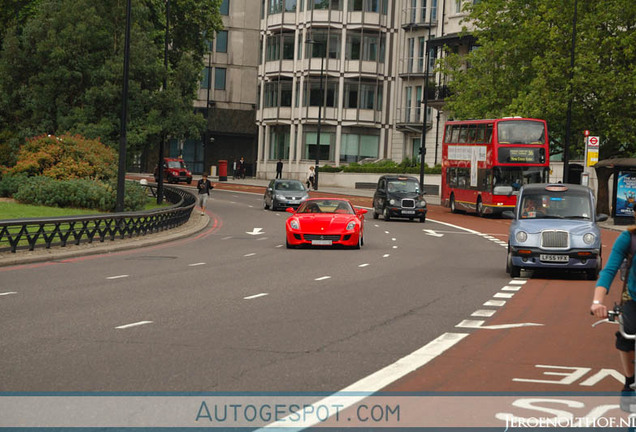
{"x":620,"y":250}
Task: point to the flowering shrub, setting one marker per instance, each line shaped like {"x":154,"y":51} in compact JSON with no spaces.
{"x":65,"y":157}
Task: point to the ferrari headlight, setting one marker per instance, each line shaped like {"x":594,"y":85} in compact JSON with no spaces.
{"x":294,"y":224}
{"x":351,"y":225}
{"x":589,"y":238}
{"x":392,"y":202}
{"x":521,"y":236}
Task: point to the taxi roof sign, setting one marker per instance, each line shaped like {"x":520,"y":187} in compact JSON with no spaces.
{"x":556,"y":188}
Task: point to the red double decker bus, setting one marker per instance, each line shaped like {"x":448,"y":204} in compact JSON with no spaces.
{"x":485,"y":162}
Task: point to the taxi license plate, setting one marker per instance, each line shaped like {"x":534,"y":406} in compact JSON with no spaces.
{"x":554,"y":258}
{"x":321,"y":242}
{"x":408,"y":211}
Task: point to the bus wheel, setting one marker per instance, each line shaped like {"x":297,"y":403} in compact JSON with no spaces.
{"x":480,"y":208}
{"x":453,"y":205}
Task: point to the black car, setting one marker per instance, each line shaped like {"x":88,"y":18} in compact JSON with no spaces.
{"x":398,"y":196}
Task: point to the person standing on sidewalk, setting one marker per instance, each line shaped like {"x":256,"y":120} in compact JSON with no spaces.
{"x":279,"y":169}
{"x":204,"y":187}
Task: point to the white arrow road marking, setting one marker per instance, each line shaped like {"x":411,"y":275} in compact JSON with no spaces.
{"x":117,"y":277}
{"x":140,"y":323}
{"x":432,"y":233}
{"x":322,"y":278}
{"x":8,"y":293}
{"x":255,"y":232}
{"x":479,"y":324}
{"x":255,"y":296}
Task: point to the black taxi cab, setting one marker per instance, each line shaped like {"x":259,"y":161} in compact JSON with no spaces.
{"x":399,"y":196}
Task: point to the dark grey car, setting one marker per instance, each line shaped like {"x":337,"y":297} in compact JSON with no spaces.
{"x":283,"y":193}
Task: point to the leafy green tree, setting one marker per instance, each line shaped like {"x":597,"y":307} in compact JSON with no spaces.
{"x":62,"y":73}
{"x":522,"y":67}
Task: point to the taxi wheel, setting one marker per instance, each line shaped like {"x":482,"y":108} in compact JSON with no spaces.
{"x":423,"y":219}
{"x":512,"y":269}
{"x":375,"y":214}
{"x":386,"y":215}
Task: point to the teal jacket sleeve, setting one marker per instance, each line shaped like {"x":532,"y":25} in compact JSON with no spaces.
{"x":619,"y":251}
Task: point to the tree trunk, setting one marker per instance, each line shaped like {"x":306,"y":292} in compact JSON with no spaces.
{"x":603,"y":175}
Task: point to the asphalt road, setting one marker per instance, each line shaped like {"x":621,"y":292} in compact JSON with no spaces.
{"x":233,"y":310}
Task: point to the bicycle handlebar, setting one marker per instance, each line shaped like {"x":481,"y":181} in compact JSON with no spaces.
{"x":614,"y":316}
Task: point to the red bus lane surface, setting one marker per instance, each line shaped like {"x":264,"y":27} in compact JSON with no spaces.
{"x":552,"y":349}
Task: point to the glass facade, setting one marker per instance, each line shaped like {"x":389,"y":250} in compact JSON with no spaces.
{"x":355,"y":147}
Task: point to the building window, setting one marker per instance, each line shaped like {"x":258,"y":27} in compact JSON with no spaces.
{"x":433,"y":10}
{"x":377,"y":6}
{"x":423,"y":11}
{"x":432,"y":56}
{"x":363,"y":95}
{"x":311,"y":140}
{"x":413,"y":10}
{"x":312,"y":93}
{"x":290,"y":5}
{"x":458,"y":6}
{"x":355,"y":147}
{"x":421,"y":54}
{"x":275,"y":7}
{"x":418,"y":102}
{"x":225,"y":7}
{"x":411,"y":54}
{"x":368,"y":47}
{"x":279,"y":142}
{"x":219,"y":78}
{"x":221,"y":41}
{"x":408,"y":99}
{"x":205,"y":80}
{"x":416,"y":145}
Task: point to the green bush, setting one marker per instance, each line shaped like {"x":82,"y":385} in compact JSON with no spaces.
{"x":407,"y":166}
{"x":9,"y":184}
{"x":78,"y":193}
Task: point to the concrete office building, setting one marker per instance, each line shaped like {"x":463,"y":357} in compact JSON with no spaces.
{"x":369,"y":59}
{"x":228,"y":92}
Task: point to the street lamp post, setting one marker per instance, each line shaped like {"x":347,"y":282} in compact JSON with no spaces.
{"x":568,"y":121}
{"x":424,"y":119}
{"x":320,"y":102}
{"x":165,"y":86}
{"x":121,"y":175}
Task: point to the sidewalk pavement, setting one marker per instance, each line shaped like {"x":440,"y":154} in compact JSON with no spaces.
{"x":195,"y":225}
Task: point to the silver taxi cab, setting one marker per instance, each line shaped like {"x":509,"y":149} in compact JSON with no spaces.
{"x":554,"y":227}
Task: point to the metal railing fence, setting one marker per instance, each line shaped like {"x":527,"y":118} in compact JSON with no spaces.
{"x":27,"y":234}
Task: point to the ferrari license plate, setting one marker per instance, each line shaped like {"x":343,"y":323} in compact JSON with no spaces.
{"x":408,"y":211}
{"x":321,"y":242}
{"x":554,"y":258}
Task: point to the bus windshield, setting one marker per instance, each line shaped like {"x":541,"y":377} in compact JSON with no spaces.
{"x":518,"y":176}
{"x":521,"y":132}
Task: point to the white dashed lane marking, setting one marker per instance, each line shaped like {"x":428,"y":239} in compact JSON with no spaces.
{"x":196,"y":264}
{"x":255,"y":296}
{"x":117,"y":277}
{"x":137,"y":324}
{"x":8,"y":293}
{"x":322,"y":278}
{"x":363,"y":265}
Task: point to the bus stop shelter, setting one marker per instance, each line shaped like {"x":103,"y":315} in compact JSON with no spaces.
{"x":619,"y":198}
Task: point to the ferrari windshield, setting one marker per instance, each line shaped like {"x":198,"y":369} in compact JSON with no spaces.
{"x":326,"y":206}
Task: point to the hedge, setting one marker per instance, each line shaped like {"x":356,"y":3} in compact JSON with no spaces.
{"x":77,"y":193}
